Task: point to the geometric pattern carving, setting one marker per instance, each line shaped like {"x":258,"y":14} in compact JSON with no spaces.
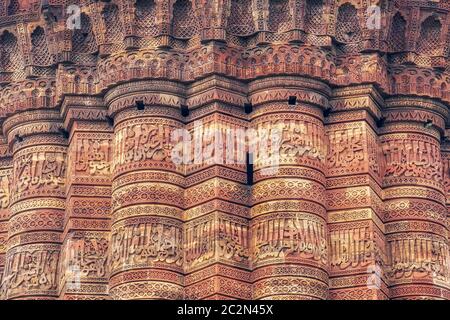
{"x":314,"y":16}
{"x":146,"y":18}
{"x":10,"y":60}
{"x":83,"y":40}
{"x":280,"y":18}
{"x":14,"y":7}
{"x":348,"y":27}
{"x":40,"y":49}
{"x":113,"y":24}
{"x":185,"y":22}
{"x":240,"y":20}
{"x":95,"y":205}
{"x":430,"y":37}
{"x":397,"y":35}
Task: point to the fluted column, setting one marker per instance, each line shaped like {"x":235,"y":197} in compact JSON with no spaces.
{"x":445,"y":153}
{"x":146,"y":257}
{"x":354,"y":196}
{"x":416,"y":215}
{"x":5,"y":193}
{"x":37,"y":205}
{"x":83,"y":266}
{"x":288,"y":228}
{"x":216,"y":230}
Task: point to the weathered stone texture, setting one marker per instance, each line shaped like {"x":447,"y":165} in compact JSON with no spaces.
{"x":93,"y":204}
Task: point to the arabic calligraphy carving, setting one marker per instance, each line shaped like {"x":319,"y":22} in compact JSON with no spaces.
{"x":418,"y":256}
{"x":93,"y":156}
{"x":347,"y":150}
{"x":5,"y":187}
{"x":113,"y":94}
{"x":199,"y":242}
{"x":446,"y":172}
{"x":88,"y":254}
{"x":226,"y":236}
{"x":412,"y":158}
{"x":233,"y":240}
{"x":289,"y":235}
{"x":302,"y":139}
{"x":30,"y":268}
{"x":375,"y":155}
{"x":145,"y":242}
{"x":146,"y":141}
{"x":40,"y":169}
{"x":351,"y":247}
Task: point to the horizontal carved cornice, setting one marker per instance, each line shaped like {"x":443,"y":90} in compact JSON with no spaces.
{"x":82,"y":108}
{"x":415,"y":109}
{"x":354,"y":98}
{"x":31,"y":123}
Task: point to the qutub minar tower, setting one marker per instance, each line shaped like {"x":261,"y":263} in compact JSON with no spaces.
{"x":94,"y":207}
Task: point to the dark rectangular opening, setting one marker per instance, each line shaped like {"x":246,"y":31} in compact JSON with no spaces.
{"x":292,"y":100}
{"x":380,"y":122}
{"x":326,"y":112}
{"x":110,"y":121}
{"x":184,"y":110}
{"x":248,"y":107}
{"x":249,"y":161}
{"x":140,"y":105}
{"x":64,"y":133}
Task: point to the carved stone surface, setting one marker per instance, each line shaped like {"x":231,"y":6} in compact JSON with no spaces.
{"x":102,"y":197}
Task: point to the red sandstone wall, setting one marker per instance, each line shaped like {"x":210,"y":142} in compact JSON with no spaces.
{"x":93,"y":204}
